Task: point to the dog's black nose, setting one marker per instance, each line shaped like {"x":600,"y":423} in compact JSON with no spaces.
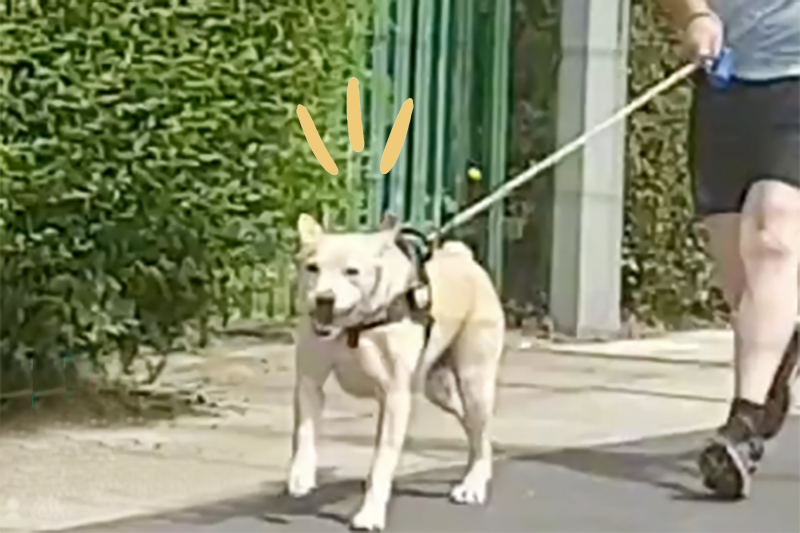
{"x":323,"y":307}
{"x":324,"y":299}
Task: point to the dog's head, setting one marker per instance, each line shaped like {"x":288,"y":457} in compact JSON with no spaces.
{"x":348,"y":279}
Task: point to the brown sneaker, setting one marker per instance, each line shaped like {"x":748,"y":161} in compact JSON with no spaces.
{"x":729,"y":460}
{"x":779,"y":399}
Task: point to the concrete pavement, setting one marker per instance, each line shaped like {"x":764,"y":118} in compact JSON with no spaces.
{"x":551,"y":397}
{"x":646,"y":485}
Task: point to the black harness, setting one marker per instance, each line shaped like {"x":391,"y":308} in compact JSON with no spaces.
{"x":416,"y":247}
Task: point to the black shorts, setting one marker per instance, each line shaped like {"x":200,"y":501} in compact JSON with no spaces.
{"x":739,"y":135}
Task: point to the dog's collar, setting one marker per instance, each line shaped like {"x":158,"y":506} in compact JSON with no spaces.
{"x":403,"y":307}
{"x":408,"y":305}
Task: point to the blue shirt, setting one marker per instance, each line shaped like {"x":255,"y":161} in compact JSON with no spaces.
{"x":764,"y":36}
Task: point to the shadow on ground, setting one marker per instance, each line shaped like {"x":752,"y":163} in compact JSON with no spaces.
{"x":638,"y":486}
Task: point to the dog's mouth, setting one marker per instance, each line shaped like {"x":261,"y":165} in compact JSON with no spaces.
{"x":328,"y":322}
{"x":329,"y":327}
{"x":324,"y":331}
{"x":323,"y":321}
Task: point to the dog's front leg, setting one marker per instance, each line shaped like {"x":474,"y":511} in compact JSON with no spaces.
{"x":395,"y":408}
{"x":309,"y":399}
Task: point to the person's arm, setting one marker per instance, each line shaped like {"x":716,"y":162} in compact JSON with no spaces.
{"x":681,"y":12}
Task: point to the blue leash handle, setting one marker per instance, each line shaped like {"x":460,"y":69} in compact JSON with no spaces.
{"x":720,"y":71}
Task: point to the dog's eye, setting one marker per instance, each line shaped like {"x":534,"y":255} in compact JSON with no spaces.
{"x":351,"y":271}
{"x":312,"y":268}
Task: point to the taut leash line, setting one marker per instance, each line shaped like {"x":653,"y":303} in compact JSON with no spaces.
{"x":553,"y":159}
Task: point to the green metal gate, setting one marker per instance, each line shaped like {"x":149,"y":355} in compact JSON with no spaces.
{"x":451,"y":57}
{"x":482,"y":74}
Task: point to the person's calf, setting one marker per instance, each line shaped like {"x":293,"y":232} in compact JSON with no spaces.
{"x":779,"y":398}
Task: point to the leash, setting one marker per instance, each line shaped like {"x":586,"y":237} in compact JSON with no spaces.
{"x":556,"y":157}
{"x":719,"y":72}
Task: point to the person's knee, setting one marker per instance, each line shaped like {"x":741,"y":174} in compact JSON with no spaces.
{"x":773,"y":239}
{"x":766,"y":243}
{"x":771,"y":223}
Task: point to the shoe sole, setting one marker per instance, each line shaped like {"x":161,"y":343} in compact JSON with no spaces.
{"x":724,"y":472}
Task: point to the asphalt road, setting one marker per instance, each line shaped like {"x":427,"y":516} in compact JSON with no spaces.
{"x":640,"y":486}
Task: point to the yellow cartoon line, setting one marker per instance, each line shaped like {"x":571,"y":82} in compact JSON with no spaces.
{"x":355,"y":132}
{"x":315,"y":141}
{"x":354,"y":129}
{"x":397,"y":136}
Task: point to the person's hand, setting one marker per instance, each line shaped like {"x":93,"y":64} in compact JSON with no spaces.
{"x":703,"y":38}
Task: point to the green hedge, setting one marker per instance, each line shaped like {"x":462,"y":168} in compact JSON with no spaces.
{"x":666,"y":272}
{"x":149,"y":149}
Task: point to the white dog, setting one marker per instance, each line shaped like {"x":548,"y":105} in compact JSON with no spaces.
{"x":360,"y":321}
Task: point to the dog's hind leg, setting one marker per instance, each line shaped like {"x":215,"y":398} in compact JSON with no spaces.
{"x":476,"y":360}
{"x":441,"y":388}
{"x":436,"y":371}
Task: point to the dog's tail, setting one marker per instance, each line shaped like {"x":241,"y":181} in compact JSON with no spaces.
{"x":457,"y":248}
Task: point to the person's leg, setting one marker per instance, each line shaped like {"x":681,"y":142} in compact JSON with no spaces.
{"x":770,"y":250}
{"x":765,"y":322}
{"x":723,"y":241}
{"x":779,"y":399}
{"x":746,"y":155}
{"x":723,"y":244}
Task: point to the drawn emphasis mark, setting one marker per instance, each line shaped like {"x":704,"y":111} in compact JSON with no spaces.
{"x":356,"y":132}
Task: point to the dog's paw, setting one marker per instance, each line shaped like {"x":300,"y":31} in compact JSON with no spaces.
{"x":301,"y":482}
{"x":469,"y":493}
{"x":299,"y":489}
{"x":369,"y":518}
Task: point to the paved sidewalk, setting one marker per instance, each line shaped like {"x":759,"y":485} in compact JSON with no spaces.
{"x":551,"y":397}
{"x":646,"y":485}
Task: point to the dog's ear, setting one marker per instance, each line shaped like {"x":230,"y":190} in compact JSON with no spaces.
{"x":309,"y":230}
{"x":389,"y":230}
{"x":390,"y":222}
